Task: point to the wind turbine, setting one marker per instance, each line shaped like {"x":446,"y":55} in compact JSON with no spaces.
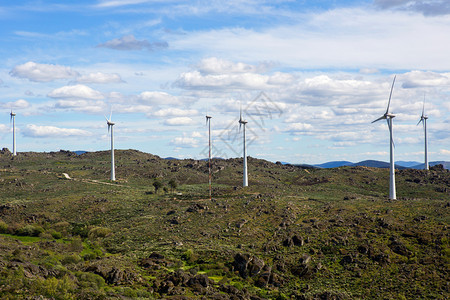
{"x":243,"y":122}
{"x":110,"y":126}
{"x":423,"y":119}
{"x":208,"y":122}
{"x":389,"y":118}
{"x":13,"y":120}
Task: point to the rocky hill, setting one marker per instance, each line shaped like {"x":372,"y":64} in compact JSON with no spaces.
{"x":302,"y":233}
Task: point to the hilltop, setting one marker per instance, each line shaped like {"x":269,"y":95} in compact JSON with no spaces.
{"x":295,"y":232}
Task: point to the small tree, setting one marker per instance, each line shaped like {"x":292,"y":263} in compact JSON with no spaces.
{"x":173,"y":184}
{"x":157,"y":184}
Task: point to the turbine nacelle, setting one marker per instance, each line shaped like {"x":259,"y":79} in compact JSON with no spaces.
{"x":109,"y":122}
{"x":12,"y":114}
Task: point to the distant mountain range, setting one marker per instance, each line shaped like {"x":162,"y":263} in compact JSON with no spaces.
{"x":382,"y":164}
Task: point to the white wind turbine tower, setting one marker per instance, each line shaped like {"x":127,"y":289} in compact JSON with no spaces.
{"x":13,"y":120}
{"x":389,"y":118}
{"x":208,"y":122}
{"x":423,"y":119}
{"x":110,"y":126}
{"x":243,"y":122}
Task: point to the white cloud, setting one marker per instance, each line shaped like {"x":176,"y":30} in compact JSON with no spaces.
{"x":416,"y":79}
{"x":52,"y":131}
{"x":78,"y":91}
{"x":379,"y":153}
{"x":253,"y":81}
{"x":214,"y":65}
{"x":129,"y":42}
{"x":100,"y":77}
{"x":179,"y":121}
{"x":18,"y":104}
{"x":427,"y":7}
{"x":157,"y":98}
{"x":444,"y":152}
{"x":298,"y":127}
{"x":116,"y":3}
{"x":42,"y":72}
{"x":344,"y":144}
{"x":85,"y":106}
{"x":174,"y":112}
{"x":196,"y":134}
{"x":351,"y":38}
{"x":4,"y":128}
{"x":185,"y":142}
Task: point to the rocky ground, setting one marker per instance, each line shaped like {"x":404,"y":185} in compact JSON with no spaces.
{"x":294,"y":233}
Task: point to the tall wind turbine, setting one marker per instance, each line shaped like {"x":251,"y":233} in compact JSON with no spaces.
{"x":389,"y":118}
{"x":243,"y":122}
{"x":423,"y":119}
{"x":208,"y":122}
{"x":13,"y":120}
{"x":110,"y":126}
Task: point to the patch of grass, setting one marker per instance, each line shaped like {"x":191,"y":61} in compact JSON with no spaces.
{"x":23,"y":239}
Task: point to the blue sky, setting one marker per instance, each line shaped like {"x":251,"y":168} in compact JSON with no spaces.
{"x":309,"y":77}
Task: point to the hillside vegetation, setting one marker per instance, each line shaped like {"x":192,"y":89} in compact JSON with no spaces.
{"x":294,"y":233}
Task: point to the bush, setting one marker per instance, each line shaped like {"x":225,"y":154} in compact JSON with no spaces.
{"x":3,"y":227}
{"x":80,"y":229}
{"x":71,"y":259}
{"x":57,"y":288}
{"x":46,"y":236}
{"x":99,"y":232}
{"x":157,"y":185}
{"x":76,"y":245}
{"x":30,"y":230}
{"x":189,"y":256}
{"x":90,"y":280}
{"x":56,"y":235}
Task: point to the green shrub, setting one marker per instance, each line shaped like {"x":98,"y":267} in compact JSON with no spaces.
{"x":30,"y":230}
{"x":46,"y":235}
{"x":90,"y":280}
{"x":56,"y":235}
{"x":71,"y":259}
{"x":80,"y":229}
{"x":57,"y":288}
{"x":189,"y":256}
{"x":3,"y":227}
{"x":99,"y":232}
{"x":76,"y":245}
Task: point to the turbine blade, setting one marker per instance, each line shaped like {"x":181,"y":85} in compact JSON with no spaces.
{"x":106,"y":119}
{"x":421,"y":120}
{"x":240,"y":114}
{"x":390,"y":95}
{"x":380,"y":118}
{"x":423,"y":107}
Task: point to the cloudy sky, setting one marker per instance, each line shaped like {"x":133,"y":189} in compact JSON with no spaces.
{"x":310,"y":78}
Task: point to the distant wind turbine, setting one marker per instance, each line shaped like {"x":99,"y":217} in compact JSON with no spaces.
{"x":110,"y":126}
{"x":389,"y":119}
{"x":243,"y":122}
{"x":208,"y":122}
{"x":423,"y":119}
{"x":13,"y":120}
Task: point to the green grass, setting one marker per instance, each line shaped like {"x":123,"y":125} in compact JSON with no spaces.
{"x":24,"y":239}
